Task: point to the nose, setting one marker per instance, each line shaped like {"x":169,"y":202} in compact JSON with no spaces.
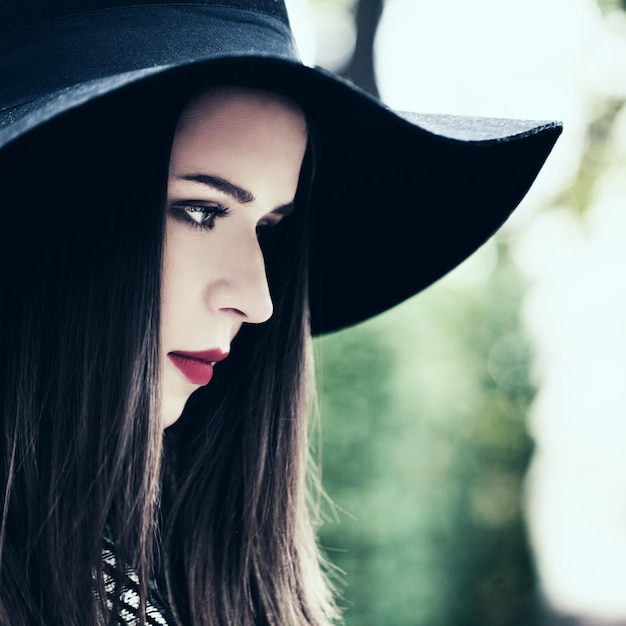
{"x":242,"y":289}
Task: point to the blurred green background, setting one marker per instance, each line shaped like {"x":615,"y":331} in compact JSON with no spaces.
{"x":424,"y":448}
{"x":424,"y":410}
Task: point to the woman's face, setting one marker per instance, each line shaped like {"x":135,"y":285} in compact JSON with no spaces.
{"x":234,"y":170}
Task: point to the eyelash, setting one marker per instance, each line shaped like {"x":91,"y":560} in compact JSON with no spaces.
{"x":209,"y":214}
{"x":183,"y":212}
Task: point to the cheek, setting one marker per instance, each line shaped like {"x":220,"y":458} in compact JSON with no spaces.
{"x":182,"y":276}
{"x":193,"y":265}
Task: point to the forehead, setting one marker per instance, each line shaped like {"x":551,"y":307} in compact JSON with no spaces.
{"x":238,"y":111}
{"x":252,"y":138}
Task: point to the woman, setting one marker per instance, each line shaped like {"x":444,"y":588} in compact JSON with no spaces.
{"x":184,"y":205}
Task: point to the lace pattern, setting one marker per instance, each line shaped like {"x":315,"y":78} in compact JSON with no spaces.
{"x":156,"y":613}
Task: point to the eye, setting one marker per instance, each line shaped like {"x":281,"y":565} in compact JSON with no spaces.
{"x":198,"y":215}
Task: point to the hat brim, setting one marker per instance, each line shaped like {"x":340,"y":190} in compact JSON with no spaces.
{"x":399,"y":199}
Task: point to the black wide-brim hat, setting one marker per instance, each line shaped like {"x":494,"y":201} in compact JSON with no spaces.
{"x":398,"y":200}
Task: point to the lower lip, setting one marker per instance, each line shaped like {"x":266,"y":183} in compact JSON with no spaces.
{"x":195,"y":371}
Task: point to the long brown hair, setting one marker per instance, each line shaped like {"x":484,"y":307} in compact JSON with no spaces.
{"x":215,"y":510}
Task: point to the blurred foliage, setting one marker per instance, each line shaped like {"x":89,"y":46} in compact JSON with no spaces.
{"x":424,"y":438}
{"x":424,"y":451}
{"x":597,"y":155}
{"x":610,"y":5}
{"x":424,"y":446}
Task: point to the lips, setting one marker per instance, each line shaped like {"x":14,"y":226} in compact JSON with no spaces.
{"x":197,"y":367}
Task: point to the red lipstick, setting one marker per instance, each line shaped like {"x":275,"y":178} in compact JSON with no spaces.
{"x":197,"y":367}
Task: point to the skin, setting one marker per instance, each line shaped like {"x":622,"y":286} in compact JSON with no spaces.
{"x":214,"y":278}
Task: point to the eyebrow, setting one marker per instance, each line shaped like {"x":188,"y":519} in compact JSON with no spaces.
{"x":234,"y":191}
{"x":221,"y":184}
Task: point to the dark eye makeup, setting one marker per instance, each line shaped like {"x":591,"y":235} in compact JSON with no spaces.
{"x":198,"y":214}
{"x":203,"y":215}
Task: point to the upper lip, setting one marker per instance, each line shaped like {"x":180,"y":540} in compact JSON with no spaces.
{"x":208,"y":356}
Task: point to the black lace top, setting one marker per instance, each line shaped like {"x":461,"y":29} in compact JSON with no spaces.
{"x":157,"y":613}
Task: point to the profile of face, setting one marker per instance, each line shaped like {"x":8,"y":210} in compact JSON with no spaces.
{"x":234,"y":168}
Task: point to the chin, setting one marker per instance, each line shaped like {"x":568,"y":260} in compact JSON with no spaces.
{"x":171,"y":410}
{"x":175,"y":392}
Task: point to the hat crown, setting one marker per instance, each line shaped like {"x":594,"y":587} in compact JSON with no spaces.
{"x":18,"y":14}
